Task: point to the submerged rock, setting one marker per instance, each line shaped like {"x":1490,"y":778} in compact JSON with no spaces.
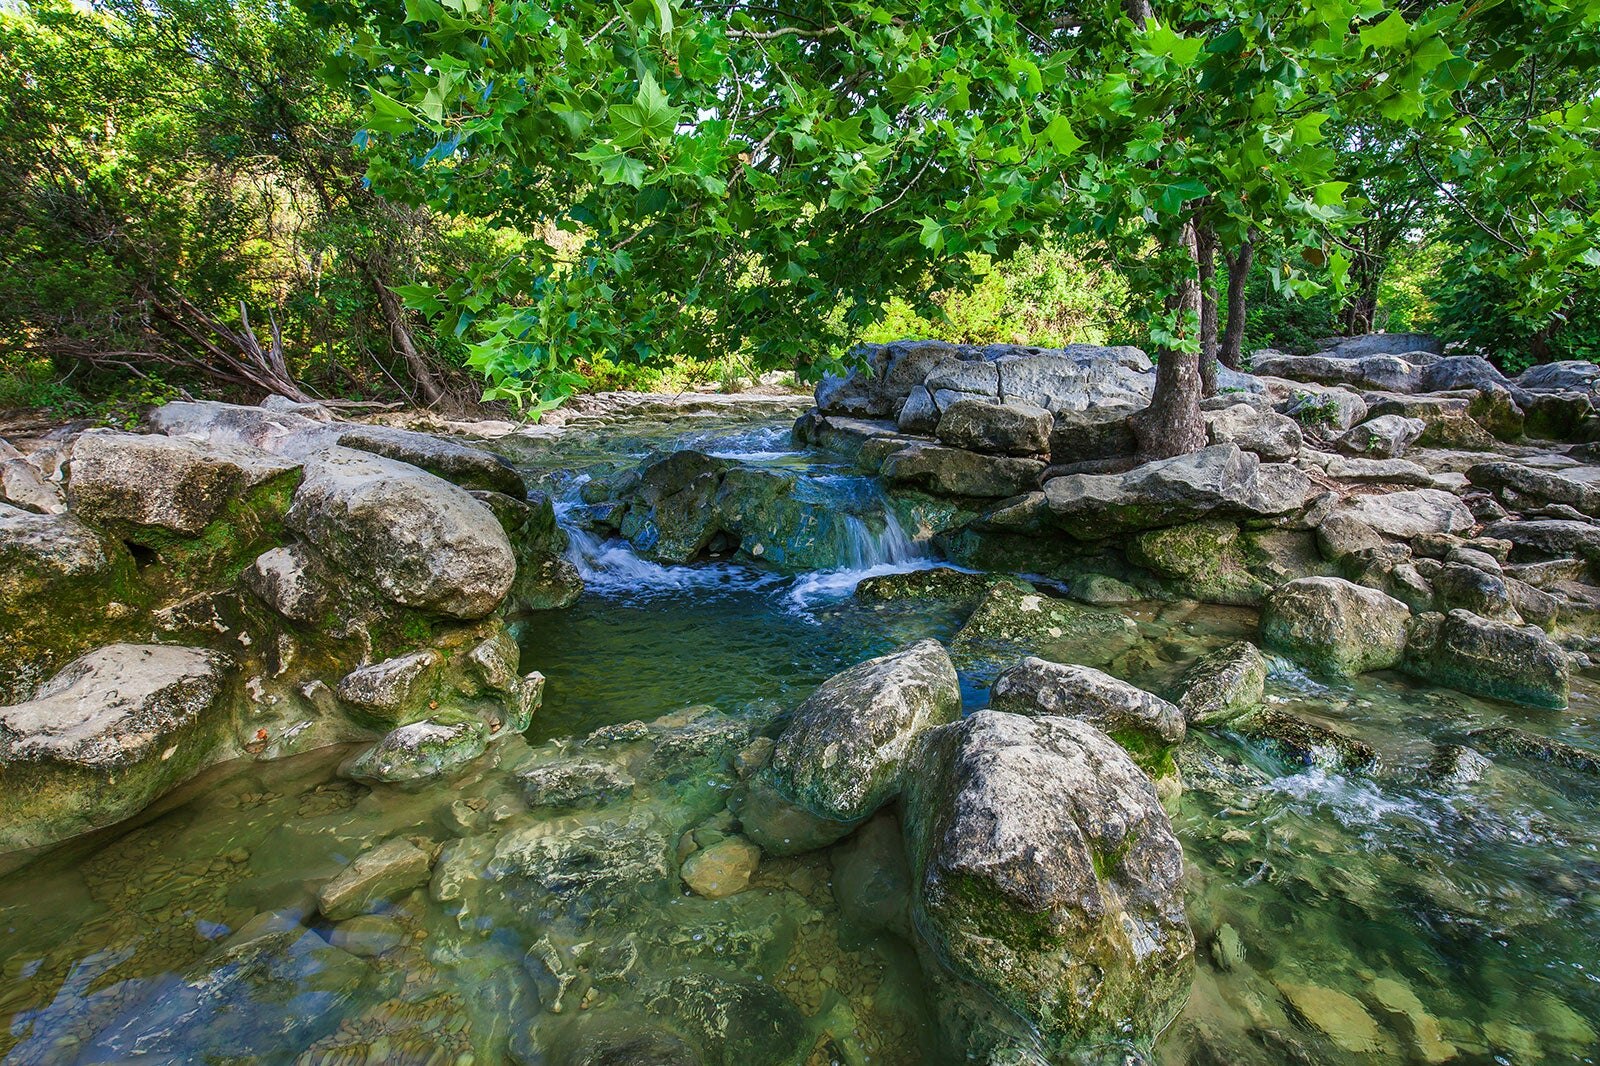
{"x":1489,"y":658}
{"x":431,"y":748}
{"x":871,"y":880}
{"x":1224,"y":685}
{"x":1335,"y":627}
{"x":723,"y":868}
{"x":1013,"y":620}
{"x":1304,"y":740}
{"x":110,"y":733}
{"x":1143,"y":723}
{"x":1505,"y":740}
{"x":377,"y":875}
{"x":1046,"y":874}
{"x":841,"y":755}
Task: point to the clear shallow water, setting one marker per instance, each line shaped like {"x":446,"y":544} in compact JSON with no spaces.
{"x":1381,"y":918}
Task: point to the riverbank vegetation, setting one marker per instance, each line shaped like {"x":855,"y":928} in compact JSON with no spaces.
{"x":369,"y":203}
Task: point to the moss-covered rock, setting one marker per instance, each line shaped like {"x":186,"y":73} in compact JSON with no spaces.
{"x":961,"y":588}
{"x":1303,"y":740}
{"x":1011,"y":621}
{"x":434,"y":747}
{"x":1224,"y":685}
{"x":113,"y":731}
{"x":545,"y":579}
{"x":1146,"y":725}
{"x":1046,"y":875}
{"x":1334,"y":627}
{"x":1489,"y":658}
{"x":1204,"y":561}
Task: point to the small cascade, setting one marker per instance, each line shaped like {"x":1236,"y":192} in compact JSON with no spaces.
{"x":867,"y":550}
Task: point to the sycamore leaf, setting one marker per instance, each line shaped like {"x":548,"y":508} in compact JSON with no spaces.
{"x":616,"y":168}
{"x":1390,"y":33}
{"x":1061,"y":135}
{"x":649,"y":118}
{"x":1174,"y":196}
{"x":1181,"y":50}
{"x":932,"y":236}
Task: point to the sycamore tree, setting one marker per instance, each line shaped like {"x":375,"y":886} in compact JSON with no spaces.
{"x":764,"y":178}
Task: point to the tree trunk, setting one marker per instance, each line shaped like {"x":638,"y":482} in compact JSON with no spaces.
{"x":394,"y":315}
{"x":1171,"y":425}
{"x":1238,"y":276}
{"x":1206,"y":246}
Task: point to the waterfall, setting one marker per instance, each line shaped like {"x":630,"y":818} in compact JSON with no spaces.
{"x":865,"y":552}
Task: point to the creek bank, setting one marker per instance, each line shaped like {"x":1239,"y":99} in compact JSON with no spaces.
{"x":330,"y":582}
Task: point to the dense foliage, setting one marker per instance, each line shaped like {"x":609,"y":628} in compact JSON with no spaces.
{"x":644,"y":193}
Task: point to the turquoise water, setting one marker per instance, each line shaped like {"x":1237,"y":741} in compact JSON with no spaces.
{"x":1389,"y":917}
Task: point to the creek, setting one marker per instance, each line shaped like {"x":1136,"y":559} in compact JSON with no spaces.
{"x":1397,"y":916}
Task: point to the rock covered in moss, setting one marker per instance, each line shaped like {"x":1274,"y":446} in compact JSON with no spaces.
{"x":1489,"y":658}
{"x":1304,"y":740}
{"x":1013,"y":620}
{"x":1334,"y":627}
{"x":940,"y":582}
{"x":841,"y":755}
{"x":546,"y":579}
{"x":996,"y":428}
{"x":434,"y":747}
{"x":1143,"y":723}
{"x":1509,"y":741}
{"x":403,"y":534}
{"x":133,"y":480}
{"x":1223,"y":685}
{"x":392,"y":691}
{"x":1045,"y":873}
{"x":1204,"y":560}
{"x":113,"y":731}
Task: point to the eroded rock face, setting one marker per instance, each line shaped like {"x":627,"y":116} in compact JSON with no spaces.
{"x":1489,"y":658}
{"x":107,"y":735}
{"x":416,"y":540}
{"x":1335,"y":627}
{"x":1140,"y":721}
{"x":841,"y":755}
{"x":1045,"y":873}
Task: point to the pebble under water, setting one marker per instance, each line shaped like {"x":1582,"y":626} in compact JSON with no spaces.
{"x":1396,"y":916}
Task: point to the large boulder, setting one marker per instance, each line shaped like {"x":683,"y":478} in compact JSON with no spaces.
{"x":841,"y":756}
{"x":1045,"y":873}
{"x":1419,"y":346}
{"x":996,"y":428}
{"x":1409,"y":513}
{"x":1335,"y":627}
{"x":1448,"y":420}
{"x":109,"y":734}
{"x":958,"y":472}
{"x":1525,"y":487}
{"x":1220,"y":481}
{"x":1489,"y":658}
{"x":1224,"y":685}
{"x":1325,"y":409}
{"x":131,"y":481}
{"x":403,"y":534}
{"x":1547,"y":538}
{"x":671,"y":512}
{"x":1576,"y":375}
{"x":1207,"y":560}
{"x":458,"y":463}
{"x":1093,"y":433}
{"x":1461,"y":372}
{"x":1370,"y":371}
{"x":1143,"y":723}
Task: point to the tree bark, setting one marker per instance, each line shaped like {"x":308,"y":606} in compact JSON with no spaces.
{"x":1238,"y":277}
{"x":1172,"y":425}
{"x":1206,"y":253}
{"x":394,"y":315}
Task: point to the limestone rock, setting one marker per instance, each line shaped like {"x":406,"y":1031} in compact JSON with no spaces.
{"x":421,"y":751}
{"x":996,"y":428}
{"x":574,"y":783}
{"x":290,"y":582}
{"x":1304,"y":740}
{"x":1525,"y":486}
{"x":1384,"y":437}
{"x":1045,"y":872}
{"x":1489,"y":658}
{"x":1509,"y":741}
{"x":1093,"y":433}
{"x":457,"y":463}
{"x":1335,"y":627}
{"x":1204,"y":560}
{"x":1010,"y":621}
{"x":957,"y":472}
{"x":841,"y":754}
{"x":1224,"y":685}
{"x":871,"y":880}
{"x":377,"y":875}
{"x":1574,"y":374}
{"x":1461,"y":372}
{"x":392,"y":691}
{"x":1337,"y":1015}
{"x":723,"y":869}
{"x":960,"y":587}
{"x":1219,"y":481}
{"x":1547,"y":538}
{"x":412,"y":538}
{"x":1325,"y":410}
{"x":167,"y":483}
{"x":1409,"y":513}
{"x":113,"y":731}
{"x":1143,"y":723}
{"x":918,"y":414}
{"x":1271,"y":436}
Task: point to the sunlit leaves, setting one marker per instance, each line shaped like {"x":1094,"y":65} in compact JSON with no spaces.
{"x":649,"y":118}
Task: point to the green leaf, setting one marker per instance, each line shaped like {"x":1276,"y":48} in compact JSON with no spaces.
{"x":1330,"y":193}
{"x":1390,"y":33}
{"x":932,"y":236}
{"x":1061,"y":135}
{"x":664,"y":16}
{"x":1175,"y":195}
{"x":1181,"y":50}
{"x":649,"y":118}
{"x":616,"y":168}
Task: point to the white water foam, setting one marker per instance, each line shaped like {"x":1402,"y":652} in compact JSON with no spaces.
{"x":866,"y":553}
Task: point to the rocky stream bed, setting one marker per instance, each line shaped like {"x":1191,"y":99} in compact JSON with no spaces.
{"x":926,"y":728}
